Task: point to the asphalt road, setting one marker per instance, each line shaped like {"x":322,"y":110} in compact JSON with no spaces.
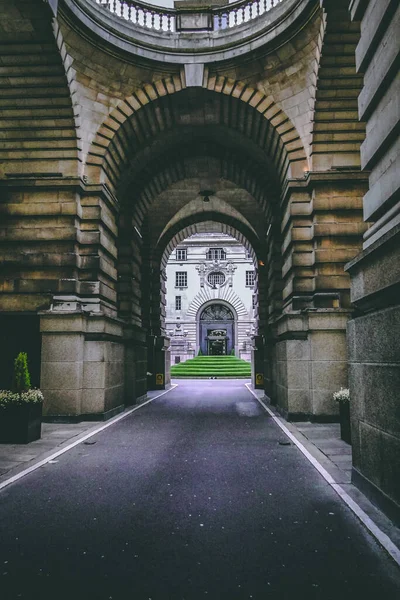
{"x":190,"y":497}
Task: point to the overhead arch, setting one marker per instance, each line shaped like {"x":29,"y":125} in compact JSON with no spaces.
{"x":210,"y":172}
{"x":166,"y":158}
{"x":197,"y":207}
{"x":165,"y":104}
{"x":205,"y":223}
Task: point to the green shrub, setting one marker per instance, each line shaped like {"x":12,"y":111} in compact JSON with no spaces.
{"x":22,"y":379}
{"x":199,"y":352}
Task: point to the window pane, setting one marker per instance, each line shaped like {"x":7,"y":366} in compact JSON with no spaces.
{"x":216,"y":254}
{"x":250,"y":278}
{"x":216,"y":278}
{"x":181,"y":279}
{"x":181,"y":254}
{"x":178,"y":302}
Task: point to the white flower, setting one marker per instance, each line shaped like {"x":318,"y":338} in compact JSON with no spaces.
{"x":343,"y":395}
{"x":8,"y":397}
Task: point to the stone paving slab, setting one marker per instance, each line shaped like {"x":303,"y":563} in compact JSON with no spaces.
{"x":340,"y":451}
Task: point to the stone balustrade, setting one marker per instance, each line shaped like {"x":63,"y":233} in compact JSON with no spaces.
{"x":189,"y":16}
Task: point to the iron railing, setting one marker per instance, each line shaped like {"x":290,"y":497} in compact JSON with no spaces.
{"x":164,"y":19}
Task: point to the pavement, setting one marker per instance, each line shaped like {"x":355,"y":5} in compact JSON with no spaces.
{"x":197,"y":494}
{"x":55,"y":436}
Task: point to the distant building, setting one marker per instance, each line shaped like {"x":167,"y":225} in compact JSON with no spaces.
{"x":211,"y":298}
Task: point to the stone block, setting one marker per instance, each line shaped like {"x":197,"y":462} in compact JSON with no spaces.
{"x":298,"y":349}
{"x":63,"y":347}
{"x":281,"y":351}
{"x":357,"y":392}
{"x":93,"y":401}
{"x":61,"y":376}
{"x":94,"y":375}
{"x":281,"y":374}
{"x":380,"y":383}
{"x":370,"y":453}
{"x":298,"y":401}
{"x":390,"y":466}
{"x":115,"y":352}
{"x":281,"y":397}
{"x":329,"y":375}
{"x":323,"y":403}
{"x":61,"y":402}
{"x":375,"y":337}
{"x":114,"y":396}
{"x":298,"y":374}
{"x":94,"y":351}
{"x":328,"y":345}
{"x":114,"y":374}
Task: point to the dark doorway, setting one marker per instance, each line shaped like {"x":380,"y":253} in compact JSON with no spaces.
{"x":216,"y":330}
{"x":217,"y":347}
{"x":19,"y":333}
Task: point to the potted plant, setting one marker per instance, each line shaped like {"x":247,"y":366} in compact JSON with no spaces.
{"x":21,"y":407}
{"x":343,"y":397}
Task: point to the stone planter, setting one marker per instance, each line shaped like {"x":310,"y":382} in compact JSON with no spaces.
{"x":344,"y":414}
{"x":21,"y":423}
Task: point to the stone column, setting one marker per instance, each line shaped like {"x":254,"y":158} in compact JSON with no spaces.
{"x":321,"y":229}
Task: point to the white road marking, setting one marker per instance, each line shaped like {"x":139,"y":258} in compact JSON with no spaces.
{"x":50,"y":459}
{"x":378,"y":534}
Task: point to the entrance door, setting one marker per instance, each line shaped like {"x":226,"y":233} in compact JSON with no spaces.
{"x":216,"y":324}
{"x":216,"y":347}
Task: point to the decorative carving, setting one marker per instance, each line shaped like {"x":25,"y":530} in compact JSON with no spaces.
{"x":226,"y":267}
{"x":216,"y":312}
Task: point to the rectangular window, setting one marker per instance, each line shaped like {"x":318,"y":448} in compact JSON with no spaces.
{"x":181,"y":279}
{"x":181,"y":254}
{"x":250,"y":278}
{"x":216,"y":254}
{"x":178,"y":302}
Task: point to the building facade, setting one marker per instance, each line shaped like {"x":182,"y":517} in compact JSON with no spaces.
{"x":125,"y":130}
{"x":211,"y":298}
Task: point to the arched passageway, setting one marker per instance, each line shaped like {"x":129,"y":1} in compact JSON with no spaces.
{"x":109,"y":152}
{"x":204,"y":295}
{"x":159,"y":157}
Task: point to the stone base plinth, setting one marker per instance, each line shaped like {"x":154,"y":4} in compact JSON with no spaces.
{"x":88,"y":370}
{"x":309,"y":363}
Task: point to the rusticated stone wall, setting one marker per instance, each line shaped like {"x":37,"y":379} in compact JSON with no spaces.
{"x":374,"y":335}
{"x":131,"y":149}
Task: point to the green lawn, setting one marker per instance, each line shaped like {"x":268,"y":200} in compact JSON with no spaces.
{"x":212,"y":366}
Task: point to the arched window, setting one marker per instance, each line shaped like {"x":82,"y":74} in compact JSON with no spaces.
{"x":216,"y":312}
{"x":216,"y":278}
